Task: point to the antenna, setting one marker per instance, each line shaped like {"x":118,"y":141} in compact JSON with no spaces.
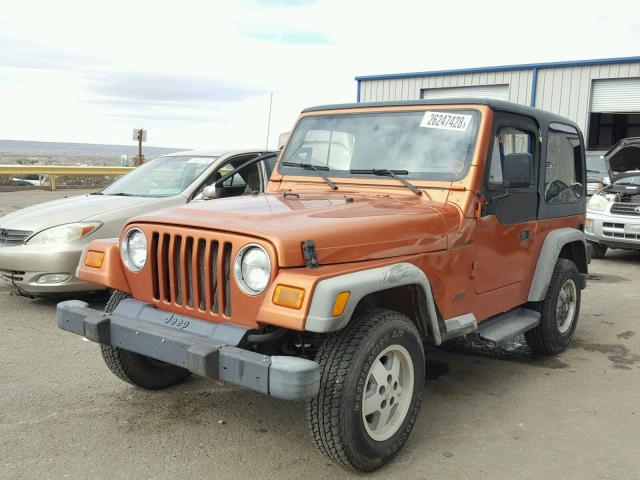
{"x":266,"y":146}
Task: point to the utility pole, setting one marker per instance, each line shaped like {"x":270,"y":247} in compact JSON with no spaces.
{"x":140,"y":135}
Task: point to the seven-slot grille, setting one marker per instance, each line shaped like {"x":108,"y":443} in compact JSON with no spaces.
{"x":13,"y":237}
{"x":632,"y":209}
{"x":192,"y":272}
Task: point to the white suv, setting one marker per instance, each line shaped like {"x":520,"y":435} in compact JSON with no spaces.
{"x":613,"y":213}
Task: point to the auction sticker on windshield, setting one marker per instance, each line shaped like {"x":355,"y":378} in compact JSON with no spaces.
{"x":446,"y":121}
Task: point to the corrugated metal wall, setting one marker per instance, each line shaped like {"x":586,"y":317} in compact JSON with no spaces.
{"x":564,"y":90}
{"x":567,"y":91}
{"x":519,"y":82}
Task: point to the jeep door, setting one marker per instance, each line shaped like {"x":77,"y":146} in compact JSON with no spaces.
{"x":507,"y":224}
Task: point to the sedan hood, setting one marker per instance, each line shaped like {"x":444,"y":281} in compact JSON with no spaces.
{"x":344,"y":229}
{"x":623,"y":159}
{"x":68,"y":210}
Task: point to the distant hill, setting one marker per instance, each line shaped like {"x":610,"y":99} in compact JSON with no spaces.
{"x":20,"y":148}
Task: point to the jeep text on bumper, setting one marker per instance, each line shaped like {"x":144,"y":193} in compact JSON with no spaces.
{"x":206,"y":349}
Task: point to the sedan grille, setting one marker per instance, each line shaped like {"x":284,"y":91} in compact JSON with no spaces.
{"x":191,"y":272}
{"x":632,"y":209}
{"x":10,"y":237}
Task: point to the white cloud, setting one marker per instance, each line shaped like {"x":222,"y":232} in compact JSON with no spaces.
{"x":199,"y":73}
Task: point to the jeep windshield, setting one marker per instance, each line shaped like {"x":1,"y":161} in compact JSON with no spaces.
{"x":161,"y":177}
{"x":430,"y":145}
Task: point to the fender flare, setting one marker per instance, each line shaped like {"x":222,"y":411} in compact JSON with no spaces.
{"x":548,"y":257}
{"x":364,"y":282}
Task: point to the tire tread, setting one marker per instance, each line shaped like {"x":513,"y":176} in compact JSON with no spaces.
{"x":335,"y":357}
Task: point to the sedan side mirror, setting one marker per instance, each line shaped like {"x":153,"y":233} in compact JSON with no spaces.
{"x":517,"y":170}
{"x":211,"y":191}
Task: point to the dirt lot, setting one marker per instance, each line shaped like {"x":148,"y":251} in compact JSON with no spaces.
{"x":487,"y":414}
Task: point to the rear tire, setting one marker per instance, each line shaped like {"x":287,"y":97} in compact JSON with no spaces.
{"x":372,"y":377}
{"x":559,"y":311}
{"x":599,"y":250}
{"x":136,"y":369}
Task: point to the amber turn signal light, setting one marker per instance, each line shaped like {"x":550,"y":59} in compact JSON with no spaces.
{"x":290,"y":297}
{"x":94,"y":259}
{"x":341,"y":302}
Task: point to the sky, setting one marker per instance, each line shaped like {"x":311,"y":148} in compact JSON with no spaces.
{"x":198,"y":74}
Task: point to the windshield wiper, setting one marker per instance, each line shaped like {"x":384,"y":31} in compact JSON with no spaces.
{"x":593,"y":171}
{"x":123,"y":194}
{"x":390,"y":173}
{"x":315,"y":168}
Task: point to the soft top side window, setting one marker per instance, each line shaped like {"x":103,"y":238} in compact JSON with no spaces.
{"x":512,"y":159}
{"x":563,"y":166}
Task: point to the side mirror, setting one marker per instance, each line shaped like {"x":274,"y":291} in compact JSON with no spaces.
{"x":211,"y":191}
{"x":517,"y":170}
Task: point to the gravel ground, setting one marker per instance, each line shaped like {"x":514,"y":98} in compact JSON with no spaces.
{"x":487,"y":413}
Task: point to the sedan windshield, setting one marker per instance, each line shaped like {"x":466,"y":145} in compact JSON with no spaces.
{"x":162,"y":177}
{"x":596,"y":167}
{"x":434,"y":145}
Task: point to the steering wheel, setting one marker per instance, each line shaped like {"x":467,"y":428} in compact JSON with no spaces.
{"x":554,"y":188}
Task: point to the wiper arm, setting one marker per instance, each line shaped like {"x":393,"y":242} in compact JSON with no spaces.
{"x":391,"y":173}
{"x":315,"y":168}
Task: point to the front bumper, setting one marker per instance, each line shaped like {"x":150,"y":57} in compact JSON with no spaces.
{"x":204,"y":348}
{"x":613,"y":230}
{"x":24,"y":265}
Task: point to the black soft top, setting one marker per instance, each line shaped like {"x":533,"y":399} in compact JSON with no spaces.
{"x":541,"y":116}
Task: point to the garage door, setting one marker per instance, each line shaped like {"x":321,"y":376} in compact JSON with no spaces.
{"x":615,"y":95}
{"x":498,"y":92}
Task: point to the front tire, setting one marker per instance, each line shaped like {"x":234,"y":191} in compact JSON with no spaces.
{"x":559,"y":311}
{"x":136,"y":369}
{"x":372,"y":378}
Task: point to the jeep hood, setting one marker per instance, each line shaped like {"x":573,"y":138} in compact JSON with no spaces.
{"x":344,"y":229}
{"x":623,"y":159}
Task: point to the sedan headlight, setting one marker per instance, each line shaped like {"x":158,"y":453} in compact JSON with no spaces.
{"x":252,"y":269}
{"x":597,"y":203}
{"x":133,"y":249}
{"x":64,"y":233}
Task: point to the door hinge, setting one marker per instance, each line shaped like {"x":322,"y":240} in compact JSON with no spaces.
{"x":309,"y":254}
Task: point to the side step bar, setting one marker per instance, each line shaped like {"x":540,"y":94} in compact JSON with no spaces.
{"x":500,"y":329}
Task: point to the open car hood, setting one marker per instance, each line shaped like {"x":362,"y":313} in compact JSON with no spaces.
{"x":623,"y":159}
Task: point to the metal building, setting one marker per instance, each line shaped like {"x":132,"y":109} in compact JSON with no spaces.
{"x":602,"y":96}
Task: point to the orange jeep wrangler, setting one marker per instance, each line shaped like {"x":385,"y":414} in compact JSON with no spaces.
{"x":386,"y":226}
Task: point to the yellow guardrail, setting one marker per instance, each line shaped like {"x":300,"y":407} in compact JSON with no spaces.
{"x":55,"y":170}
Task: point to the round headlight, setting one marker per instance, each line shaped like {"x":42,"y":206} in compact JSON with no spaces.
{"x":597,"y":203}
{"x":134,"y":249}
{"x":252,"y":269}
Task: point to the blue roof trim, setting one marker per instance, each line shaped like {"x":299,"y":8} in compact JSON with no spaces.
{"x":503,"y":68}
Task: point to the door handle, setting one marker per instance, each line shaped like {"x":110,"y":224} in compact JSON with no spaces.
{"x":524,"y":235}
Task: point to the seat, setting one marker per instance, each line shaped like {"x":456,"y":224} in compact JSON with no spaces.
{"x":253,"y":182}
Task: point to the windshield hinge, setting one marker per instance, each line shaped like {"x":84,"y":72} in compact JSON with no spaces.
{"x":309,"y":254}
